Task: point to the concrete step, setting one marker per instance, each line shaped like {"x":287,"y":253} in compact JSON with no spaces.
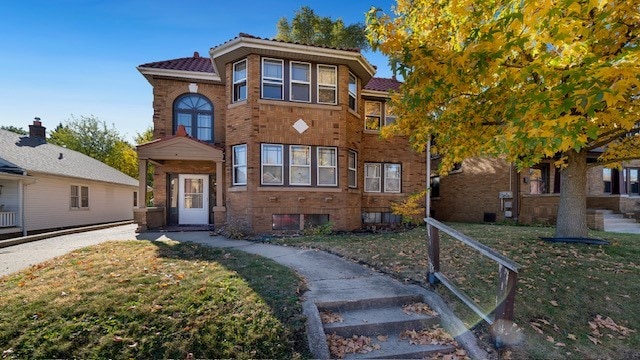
{"x":396,"y":348}
{"x":378,"y":321}
{"x":621,"y":221}
{"x":383,"y":317}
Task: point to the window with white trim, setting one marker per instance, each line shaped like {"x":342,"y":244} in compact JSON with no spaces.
{"x":353,"y":92}
{"x":272,"y":79}
{"x":239,"y":154}
{"x":272,"y":165}
{"x":79,"y":198}
{"x":379,"y":177}
{"x":372,"y":115}
{"x":299,"y":165}
{"x":392,"y":178}
{"x":353,"y":169}
{"x":240,"y":81}
{"x":372,"y":177}
{"x":300,"y":88}
{"x":389,"y":115}
{"x":327,"y":84}
{"x":327,"y":166}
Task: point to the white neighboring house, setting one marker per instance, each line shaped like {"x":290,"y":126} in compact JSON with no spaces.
{"x":45,"y":186}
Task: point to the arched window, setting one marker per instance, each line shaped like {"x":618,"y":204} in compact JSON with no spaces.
{"x":195,"y":112}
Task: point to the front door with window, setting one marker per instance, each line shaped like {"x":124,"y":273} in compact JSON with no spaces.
{"x":193,"y":199}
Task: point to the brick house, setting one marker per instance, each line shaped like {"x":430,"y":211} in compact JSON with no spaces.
{"x":490,"y":189}
{"x":269,"y":135}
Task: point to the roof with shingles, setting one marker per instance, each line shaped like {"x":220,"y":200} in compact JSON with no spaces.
{"x":196,"y":63}
{"x":36,"y":155}
{"x":200,"y":64}
{"x":249,"y":36}
{"x":383,"y":84}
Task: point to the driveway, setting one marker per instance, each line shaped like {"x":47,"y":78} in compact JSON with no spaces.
{"x":18,"y":257}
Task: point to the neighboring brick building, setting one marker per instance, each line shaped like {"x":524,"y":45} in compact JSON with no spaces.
{"x":490,"y":189}
{"x":270,"y":135}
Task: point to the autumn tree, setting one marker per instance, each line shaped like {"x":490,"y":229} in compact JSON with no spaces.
{"x":307,"y":27}
{"x":525,"y":80}
{"x":92,"y":137}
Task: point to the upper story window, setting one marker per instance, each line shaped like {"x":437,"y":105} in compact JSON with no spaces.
{"x":327,"y":84}
{"x":372,"y":115}
{"x":389,"y":115}
{"x":272,"y":79}
{"x":300,"y":82}
{"x":240,"y":164}
{"x":353,"y":92}
{"x":240,"y":81}
{"x":195,"y":112}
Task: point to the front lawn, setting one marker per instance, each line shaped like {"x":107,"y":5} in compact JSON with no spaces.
{"x":573,"y":300}
{"x":142,"y":299}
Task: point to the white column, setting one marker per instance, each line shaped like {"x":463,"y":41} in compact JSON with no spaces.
{"x":219,"y":184}
{"x":142,"y":183}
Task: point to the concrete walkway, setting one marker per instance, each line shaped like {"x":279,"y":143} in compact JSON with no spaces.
{"x":332,"y":279}
{"x":329,"y":277}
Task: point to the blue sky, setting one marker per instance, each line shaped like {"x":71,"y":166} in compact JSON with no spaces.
{"x":78,"y":57}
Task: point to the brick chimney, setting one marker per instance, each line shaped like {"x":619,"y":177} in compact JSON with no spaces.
{"x":37,"y":131}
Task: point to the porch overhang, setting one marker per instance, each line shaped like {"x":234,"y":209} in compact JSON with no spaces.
{"x":180,"y":148}
{"x":25,"y":178}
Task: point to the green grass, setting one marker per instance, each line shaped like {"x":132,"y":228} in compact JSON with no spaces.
{"x":562,"y":288}
{"x":142,"y":299}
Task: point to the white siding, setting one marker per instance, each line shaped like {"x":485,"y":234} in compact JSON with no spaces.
{"x":47,"y":203}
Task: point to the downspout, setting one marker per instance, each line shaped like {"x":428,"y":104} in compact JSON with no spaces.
{"x":21,"y":195}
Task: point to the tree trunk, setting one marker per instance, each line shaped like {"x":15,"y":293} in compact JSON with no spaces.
{"x":572,"y":210}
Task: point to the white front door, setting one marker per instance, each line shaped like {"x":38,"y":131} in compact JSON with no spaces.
{"x":193,"y":199}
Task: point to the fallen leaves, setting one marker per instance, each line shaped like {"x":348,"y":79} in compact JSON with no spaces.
{"x":601,"y":323}
{"x":329,"y":317}
{"x":357,"y":344}
{"x":419,"y":308}
{"x":434,"y":336}
{"x":459,"y":354}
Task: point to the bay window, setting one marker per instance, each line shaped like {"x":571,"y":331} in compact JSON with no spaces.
{"x":300,"y":88}
{"x":240,"y":81}
{"x":327,"y":84}
{"x":272,"y":79}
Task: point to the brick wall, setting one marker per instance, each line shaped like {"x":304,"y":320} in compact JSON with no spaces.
{"x":468,"y":194}
{"x":166,"y":91}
